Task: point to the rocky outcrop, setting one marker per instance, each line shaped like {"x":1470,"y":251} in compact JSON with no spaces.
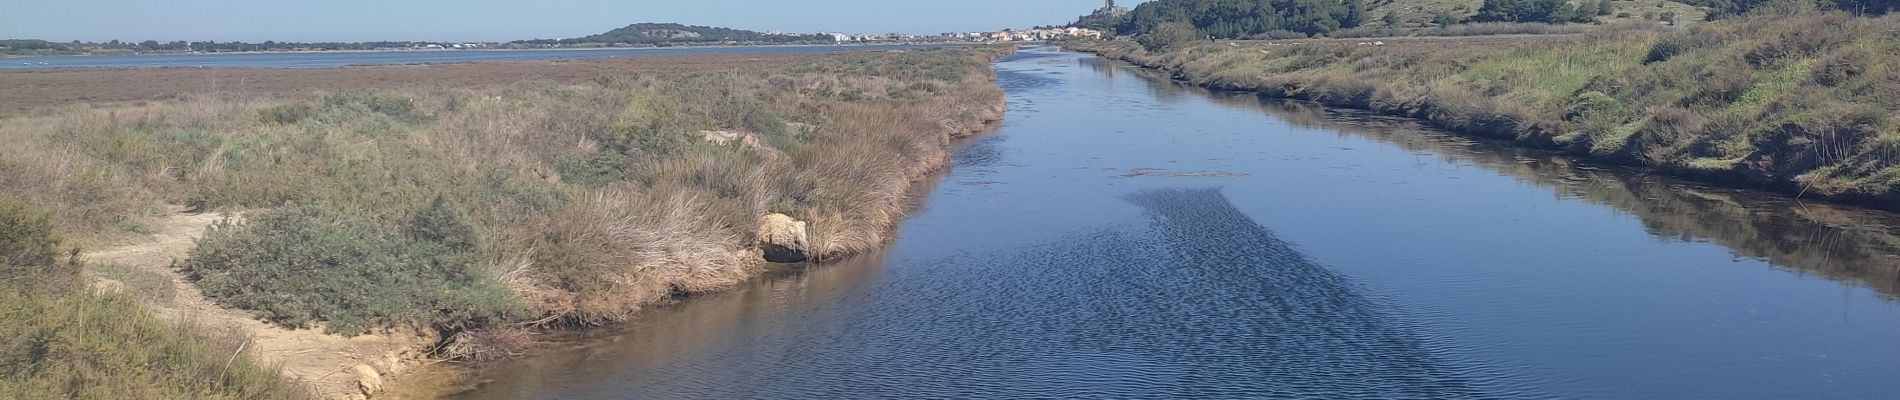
{"x":782,"y":239}
{"x":722,"y":138}
{"x":744,"y":140}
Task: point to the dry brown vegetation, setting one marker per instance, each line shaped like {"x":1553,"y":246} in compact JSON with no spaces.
{"x":498,"y":203}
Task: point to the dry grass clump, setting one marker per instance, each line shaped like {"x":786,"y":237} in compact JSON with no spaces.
{"x":488,"y":344}
{"x":622,"y":249}
{"x":1799,"y":102}
{"x":586,"y":199}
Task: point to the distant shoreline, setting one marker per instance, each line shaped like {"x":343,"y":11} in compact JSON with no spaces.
{"x":59,"y":85}
{"x":353,"y":58}
{"x":200,"y":53}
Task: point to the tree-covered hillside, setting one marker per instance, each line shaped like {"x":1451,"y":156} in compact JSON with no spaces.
{"x":1243,"y":18}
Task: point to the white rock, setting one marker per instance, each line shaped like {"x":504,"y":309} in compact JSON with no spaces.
{"x":782,"y":239}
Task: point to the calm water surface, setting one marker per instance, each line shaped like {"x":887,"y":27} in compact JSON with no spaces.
{"x":343,"y":58}
{"x":1125,"y":237}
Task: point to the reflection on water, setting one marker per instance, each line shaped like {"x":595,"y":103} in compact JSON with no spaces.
{"x":1838,"y":242}
{"x":1198,"y":301}
{"x":655,"y":344}
{"x":1326,"y":254}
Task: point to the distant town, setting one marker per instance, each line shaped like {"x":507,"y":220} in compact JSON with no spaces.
{"x":1006,"y":35}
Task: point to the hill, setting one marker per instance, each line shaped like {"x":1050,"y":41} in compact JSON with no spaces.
{"x":668,"y":33}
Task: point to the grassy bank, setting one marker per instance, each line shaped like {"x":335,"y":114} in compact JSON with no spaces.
{"x":1797,"y":102}
{"x":58,"y":339}
{"x":482,"y":211}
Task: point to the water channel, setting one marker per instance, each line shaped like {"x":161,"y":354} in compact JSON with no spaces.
{"x":1123,"y":236}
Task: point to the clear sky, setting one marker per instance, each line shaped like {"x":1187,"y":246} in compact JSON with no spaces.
{"x":500,"y":20}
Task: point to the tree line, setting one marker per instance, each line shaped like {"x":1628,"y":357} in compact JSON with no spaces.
{"x":1244,"y":18}
{"x":1549,"y":11}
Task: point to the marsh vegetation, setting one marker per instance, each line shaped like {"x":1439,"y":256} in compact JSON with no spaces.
{"x":477,"y":212}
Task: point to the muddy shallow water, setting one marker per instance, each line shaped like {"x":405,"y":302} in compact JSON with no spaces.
{"x":1122,"y":236}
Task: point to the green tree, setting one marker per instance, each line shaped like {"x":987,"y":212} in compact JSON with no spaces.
{"x":1444,"y":19}
{"x":1585,"y":11}
{"x":1355,"y":14}
{"x":1553,"y":11}
{"x":1168,"y":35}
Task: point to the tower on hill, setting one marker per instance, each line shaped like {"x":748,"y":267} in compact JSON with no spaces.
{"x":1109,"y":9}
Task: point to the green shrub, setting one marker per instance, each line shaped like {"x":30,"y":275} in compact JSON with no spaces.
{"x":26,"y":237}
{"x":443,"y":223}
{"x":1594,"y":104}
{"x":594,"y":169}
{"x":1842,"y":66}
{"x":1669,"y":47}
{"x":643,"y":140}
{"x":304,"y":264}
{"x":288,"y":113}
{"x":398,"y":108}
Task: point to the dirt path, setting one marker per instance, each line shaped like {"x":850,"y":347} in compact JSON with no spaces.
{"x":330,"y":365}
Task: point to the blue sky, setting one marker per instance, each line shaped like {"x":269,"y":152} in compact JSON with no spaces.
{"x":472,"y":20}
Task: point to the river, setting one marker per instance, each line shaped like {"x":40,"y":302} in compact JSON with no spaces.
{"x":1122,"y":236}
